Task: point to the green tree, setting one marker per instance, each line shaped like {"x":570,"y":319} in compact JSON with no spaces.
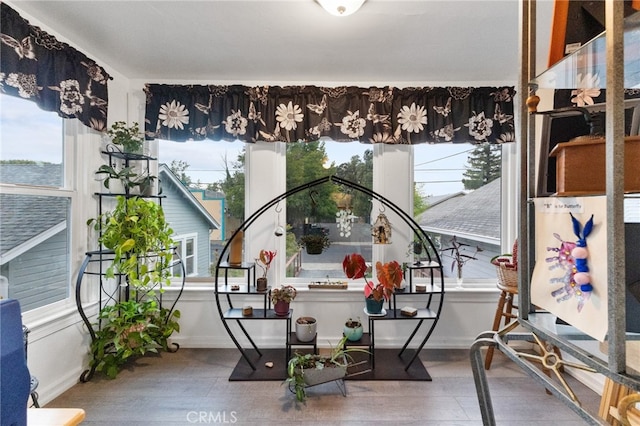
{"x":304,"y":164}
{"x":179,"y":168}
{"x":359,"y":171}
{"x":233,"y":188}
{"x":483,"y":166}
{"x":419,"y":204}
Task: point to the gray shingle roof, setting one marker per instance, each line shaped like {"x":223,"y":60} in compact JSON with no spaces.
{"x":454,"y":215}
{"x":24,"y":217}
{"x":32,"y":174}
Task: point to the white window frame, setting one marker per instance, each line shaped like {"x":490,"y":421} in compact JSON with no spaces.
{"x":183,"y":238}
{"x":69,"y":138}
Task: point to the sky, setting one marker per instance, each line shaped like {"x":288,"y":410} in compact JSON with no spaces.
{"x":438,"y":167}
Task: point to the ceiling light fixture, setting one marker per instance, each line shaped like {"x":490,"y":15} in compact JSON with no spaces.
{"x":341,"y":7}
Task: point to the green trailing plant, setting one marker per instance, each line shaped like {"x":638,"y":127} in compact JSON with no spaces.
{"x":299,"y":363}
{"x":137,"y":232}
{"x":129,"y":138}
{"x":130,"y":329}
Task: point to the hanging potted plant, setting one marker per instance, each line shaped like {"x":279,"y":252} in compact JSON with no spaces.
{"x":389,"y":278}
{"x":264,"y":261}
{"x":281,"y":298}
{"x":315,"y":243}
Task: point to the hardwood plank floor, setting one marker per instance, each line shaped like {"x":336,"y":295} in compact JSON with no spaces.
{"x":191,"y":386}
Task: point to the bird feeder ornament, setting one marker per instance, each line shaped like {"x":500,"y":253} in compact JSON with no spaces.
{"x":381,"y":230}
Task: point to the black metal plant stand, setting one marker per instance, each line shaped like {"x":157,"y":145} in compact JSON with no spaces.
{"x":232,"y":314}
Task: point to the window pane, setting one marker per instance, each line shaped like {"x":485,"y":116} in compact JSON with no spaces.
{"x":213,"y":172}
{"x":339,"y":215}
{"x":34,"y":248}
{"x":30,"y":143}
{"x":459,"y":187}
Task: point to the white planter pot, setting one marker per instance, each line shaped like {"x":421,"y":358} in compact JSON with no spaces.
{"x":306,"y":328}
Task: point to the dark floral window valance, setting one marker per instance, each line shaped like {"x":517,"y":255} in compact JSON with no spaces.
{"x":307,"y":113}
{"x":34,"y":65}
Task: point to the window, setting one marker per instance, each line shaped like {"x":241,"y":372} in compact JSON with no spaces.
{"x":186,"y":248}
{"x":203,"y":182}
{"x":327,"y":212}
{"x":35,"y":216}
{"x":459,"y":189}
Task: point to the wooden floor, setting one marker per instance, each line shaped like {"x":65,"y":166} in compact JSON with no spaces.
{"x":191,"y":386}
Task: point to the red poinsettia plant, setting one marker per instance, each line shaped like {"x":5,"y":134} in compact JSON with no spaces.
{"x":264,"y":260}
{"x":389,"y":276}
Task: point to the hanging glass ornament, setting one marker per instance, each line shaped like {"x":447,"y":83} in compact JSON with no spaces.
{"x":344,"y":221}
{"x":381,"y":230}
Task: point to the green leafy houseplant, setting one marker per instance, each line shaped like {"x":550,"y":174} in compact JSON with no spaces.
{"x":137,"y":232}
{"x":126,"y":175}
{"x":129,"y":329}
{"x":315,"y":243}
{"x":129,"y":138}
{"x":334,"y":367}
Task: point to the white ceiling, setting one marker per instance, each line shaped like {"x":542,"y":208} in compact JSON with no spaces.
{"x":266,"y":41}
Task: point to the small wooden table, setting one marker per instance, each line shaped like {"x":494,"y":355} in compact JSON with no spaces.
{"x":54,"y":416}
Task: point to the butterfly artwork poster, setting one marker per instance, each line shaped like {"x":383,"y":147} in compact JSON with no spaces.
{"x":570,"y":274}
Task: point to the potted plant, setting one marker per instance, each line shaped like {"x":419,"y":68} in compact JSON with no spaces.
{"x":140,"y":237}
{"x":305,"y":370}
{"x":125,"y":177}
{"x":306,"y":328}
{"x":145,"y":184}
{"x":281,"y":298}
{"x":128,"y":329}
{"x":264,"y":261}
{"x":389,"y":278}
{"x":353,"y":329}
{"x":458,"y":253}
{"x":129,"y":138}
{"x":314,"y":243}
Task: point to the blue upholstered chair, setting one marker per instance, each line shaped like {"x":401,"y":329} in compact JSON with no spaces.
{"x":15,"y":380}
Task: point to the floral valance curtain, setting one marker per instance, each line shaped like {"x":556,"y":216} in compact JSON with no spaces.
{"x":36,"y":66}
{"x":306,"y":113}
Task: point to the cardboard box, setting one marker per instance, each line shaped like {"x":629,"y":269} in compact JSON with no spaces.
{"x":580,"y":166}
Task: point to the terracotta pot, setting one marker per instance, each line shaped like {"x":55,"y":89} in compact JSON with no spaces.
{"x":281,"y":308}
{"x":262,"y":284}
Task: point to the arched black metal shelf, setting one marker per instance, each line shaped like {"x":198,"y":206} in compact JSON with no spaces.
{"x":433,"y":258}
